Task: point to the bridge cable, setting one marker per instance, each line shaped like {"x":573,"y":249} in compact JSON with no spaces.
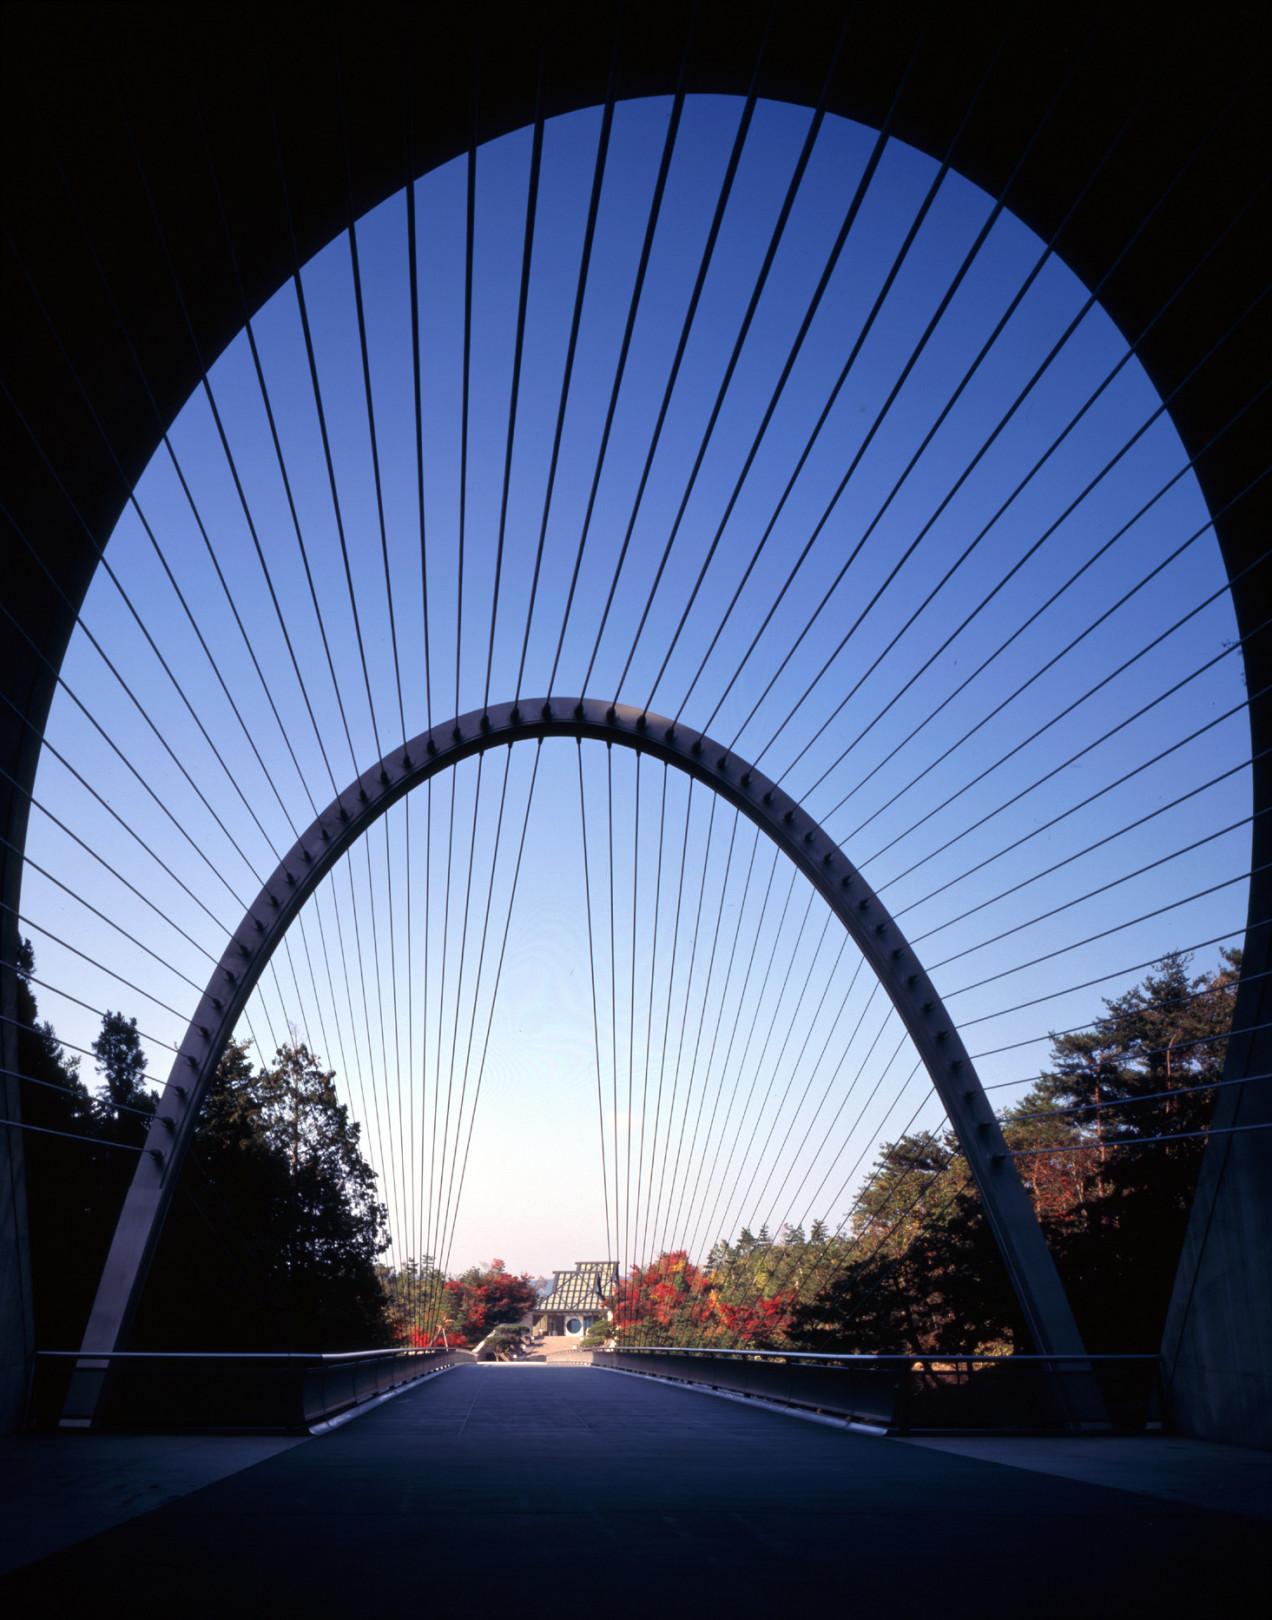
{"x":1154,"y":416}
{"x":503,"y":946}
{"x":1105,"y":978}
{"x":631,"y":1018}
{"x":772,"y":1023}
{"x":412,"y":255}
{"x":669,"y":142}
{"x":613,"y":1023}
{"x":704,"y":1003}
{"x":596,"y":1033}
{"x":966,"y":265}
{"x":1077,"y":1029}
{"x":469,"y":240}
{"x":980,"y":357}
{"x":206,"y":386}
{"x":643,"y":1244}
{"x":1158,"y":911}
{"x":1158,"y":568}
{"x":532,"y":198}
{"x":759,"y":999}
{"x":680,"y":1039}
{"x":635,"y":1247}
{"x":846,"y":1256}
{"x":324,"y":434}
{"x":585,"y":260}
{"x":421,"y":1247}
{"x":352,"y":234}
{"x":447,"y":1223}
{"x":1186,"y":618}
{"x":760,"y":1062}
{"x":775,"y":1156}
{"x":723,"y":1072}
{"x":924,"y":1102}
{"x":430,"y":1234}
{"x":1104,"y":888}
{"x":88,"y":849}
{"x":450,"y":1153}
{"x":851,"y":1133}
{"x":346,"y":865}
{"x":1090,"y":303}
{"x":132,"y":500}
{"x":734,"y":1026}
{"x":726,"y":188}
{"x":779,"y":1157}
{"x":276,"y":442}
{"x":1129,"y":827}
{"x":401,"y":1191}
{"x":84,"y":956}
{"x":413,"y":1257}
{"x":110,"y":665}
{"x":159,"y":419}
{"x":391,"y":1166}
{"x":1113,"y":731}
{"x":109,"y":921}
{"x":832,"y":261}
{"x":1099,"y":843}
{"x":56,"y":990}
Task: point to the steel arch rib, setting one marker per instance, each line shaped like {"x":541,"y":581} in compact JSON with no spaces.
{"x":1007,"y":1205}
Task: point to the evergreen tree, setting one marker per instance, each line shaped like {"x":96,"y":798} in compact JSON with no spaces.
{"x":415,"y":1300}
{"x":1142,"y":1072}
{"x":121,"y":1062}
{"x":922,"y":1272}
{"x":61,"y":1174}
{"x":1143,"y":1068}
{"x":275,"y":1232}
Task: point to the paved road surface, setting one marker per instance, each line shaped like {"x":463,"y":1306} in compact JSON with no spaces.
{"x":508,"y":1490}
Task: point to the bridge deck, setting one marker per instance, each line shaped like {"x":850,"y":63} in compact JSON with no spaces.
{"x":492,"y":1490}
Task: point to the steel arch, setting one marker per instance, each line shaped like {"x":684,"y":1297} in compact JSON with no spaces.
{"x":774,"y":812}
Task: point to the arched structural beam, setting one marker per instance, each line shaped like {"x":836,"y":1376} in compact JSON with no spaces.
{"x":349,"y":817}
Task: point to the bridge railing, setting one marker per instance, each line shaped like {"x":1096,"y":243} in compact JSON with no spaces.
{"x":909,"y":1394}
{"x":214,"y":1390}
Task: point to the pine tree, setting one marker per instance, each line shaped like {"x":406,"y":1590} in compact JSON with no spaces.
{"x":275,"y":1232}
{"x":121,"y":1062}
{"x":1141,"y":1073}
{"x":1108,"y":1143}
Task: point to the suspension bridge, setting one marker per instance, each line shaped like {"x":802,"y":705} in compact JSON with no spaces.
{"x":678,"y":592}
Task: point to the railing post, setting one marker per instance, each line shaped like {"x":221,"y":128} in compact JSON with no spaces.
{"x":901,"y":1402}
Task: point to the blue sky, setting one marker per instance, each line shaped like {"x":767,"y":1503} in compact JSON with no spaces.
{"x":948,"y":683}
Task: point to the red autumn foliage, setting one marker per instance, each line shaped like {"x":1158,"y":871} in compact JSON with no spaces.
{"x":668,"y":1295}
{"x":758,"y":1322}
{"x":480,"y":1300}
{"x":457,"y":1312}
{"x":443,"y":1339}
{"x":674,"y":1301}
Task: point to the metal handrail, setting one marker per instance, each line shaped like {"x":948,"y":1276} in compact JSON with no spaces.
{"x":242,"y":1355}
{"x":887,"y":1357}
{"x":287,"y":1389}
{"x":901,"y":1393}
